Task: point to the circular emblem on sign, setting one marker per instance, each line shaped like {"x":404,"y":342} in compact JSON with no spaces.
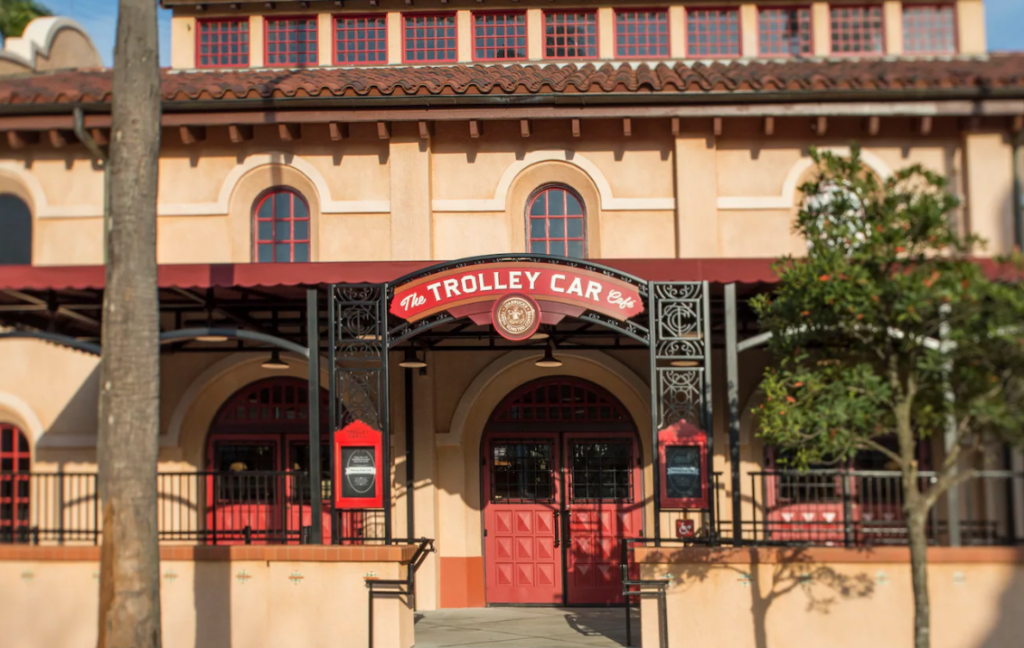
{"x":360,"y":471}
{"x":516,"y":316}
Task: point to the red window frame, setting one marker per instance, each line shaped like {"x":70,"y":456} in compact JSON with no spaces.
{"x":778,"y":25}
{"x":381,"y":44}
{"x":547,"y":217}
{"x":15,"y":486}
{"x":587,"y":18}
{"x":453,"y":50}
{"x":274,"y":243}
{"x":719,"y":17}
{"x":648,"y":19}
{"x":271,"y":25}
{"x":518,"y":27}
{"x":954,"y":36}
{"x":847,"y":22}
{"x":243,"y":53}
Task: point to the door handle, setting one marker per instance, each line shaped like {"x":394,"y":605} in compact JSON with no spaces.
{"x":558,"y":533}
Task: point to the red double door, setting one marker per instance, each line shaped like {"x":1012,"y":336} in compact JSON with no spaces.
{"x":555,"y":507}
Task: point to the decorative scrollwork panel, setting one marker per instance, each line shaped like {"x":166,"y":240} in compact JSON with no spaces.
{"x":681,"y":396}
{"x":678,"y":316}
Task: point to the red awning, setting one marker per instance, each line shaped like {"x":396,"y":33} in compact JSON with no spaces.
{"x":226,"y":275}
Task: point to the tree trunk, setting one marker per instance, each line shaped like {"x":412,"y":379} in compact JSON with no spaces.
{"x":129,"y":612}
{"x":917,"y":535}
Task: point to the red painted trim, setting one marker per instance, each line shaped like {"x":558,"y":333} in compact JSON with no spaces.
{"x":683,"y":434}
{"x":932,"y":5}
{"x":597,"y":35}
{"x":634,"y":10}
{"x":439,"y":14}
{"x":867,"y":54}
{"x":248,"y":42}
{"x":810,"y":30}
{"x":274,"y":193}
{"x":739,"y":32}
{"x":358,"y":434}
{"x":499,"y":12}
{"x":315,"y":42}
{"x":334,"y":37}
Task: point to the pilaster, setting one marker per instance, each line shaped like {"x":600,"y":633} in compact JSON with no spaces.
{"x":409,"y":162}
{"x":696,"y":193}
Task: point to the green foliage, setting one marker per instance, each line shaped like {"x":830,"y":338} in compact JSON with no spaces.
{"x":15,"y":15}
{"x":857,"y":321}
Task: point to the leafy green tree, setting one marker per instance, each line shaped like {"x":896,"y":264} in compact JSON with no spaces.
{"x":15,"y":15}
{"x":888,"y":328}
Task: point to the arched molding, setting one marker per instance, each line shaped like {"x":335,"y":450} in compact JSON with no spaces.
{"x":14,"y":410}
{"x":38,"y":38}
{"x":791,"y":185}
{"x":255,"y":184}
{"x":608,"y":202}
{"x":554,"y":174}
{"x":198,"y":405}
{"x":16,"y":179}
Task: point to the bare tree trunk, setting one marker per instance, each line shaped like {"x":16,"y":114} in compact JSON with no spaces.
{"x":918,"y":538}
{"x":129,"y":373}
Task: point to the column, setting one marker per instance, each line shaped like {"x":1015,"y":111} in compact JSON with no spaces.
{"x":464,"y":35}
{"x":677,"y":32}
{"x":256,"y":41}
{"x":970,"y":25}
{"x":892,"y":14}
{"x":409,"y":162}
{"x":183,"y":42}
{"x":534,"y":34}
{"x":748,"y":29}
{"x":325,"y":39}
{"x":821,"y":22}
{"x":606,"y":33}
{"x":394,"y":37}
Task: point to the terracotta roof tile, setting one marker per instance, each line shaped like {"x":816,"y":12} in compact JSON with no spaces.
{"x":1003,"y":72}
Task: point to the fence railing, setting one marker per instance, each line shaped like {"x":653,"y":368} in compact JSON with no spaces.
{"x":857,"y":508}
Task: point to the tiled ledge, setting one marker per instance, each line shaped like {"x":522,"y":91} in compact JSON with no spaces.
{"x":837,"y":555}
{"x":306,"y":553}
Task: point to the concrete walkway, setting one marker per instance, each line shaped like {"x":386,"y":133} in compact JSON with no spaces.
{"x":525,"y":628}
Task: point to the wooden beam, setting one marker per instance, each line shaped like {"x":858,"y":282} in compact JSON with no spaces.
{"x":874,"y":125}
{"x":524,"y":127}
{"x":627,"y":127}
{"x":289,"y":132}
{"x":239,"y":133}
{"x":192,"y":134}
{"x":426,"y":129}
{"x":926,"y":125}
{"x":716,"y":126}
{"x":820,"y":125}
{"x":675,"y":126}
{"x":58,"y":139}
{"x":769,"y":126}
{"x":339,"y":130}
{"x":383,"y":130}
{"x":575,"y":128}
{"x":1018,"y":124}
{"x":101,"y":135}
{"x":21,"y":139}
{"x":475,"y":128}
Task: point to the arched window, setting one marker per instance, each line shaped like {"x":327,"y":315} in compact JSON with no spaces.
{"x":14,"y":483}
{"x":15,"y":231}
{"x":281,"y":227}
{"x":555,"y":223}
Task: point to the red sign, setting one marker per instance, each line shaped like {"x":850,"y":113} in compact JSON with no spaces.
{"x":683,"y":450}
{"x":358,"y":474}
{"x":685,"y":528}
{"x":575,"y":288}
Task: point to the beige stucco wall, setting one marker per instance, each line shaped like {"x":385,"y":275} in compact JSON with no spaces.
{"x":849,"y":601}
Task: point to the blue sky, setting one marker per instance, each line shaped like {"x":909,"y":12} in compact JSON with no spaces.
{"x":1005,"y":19}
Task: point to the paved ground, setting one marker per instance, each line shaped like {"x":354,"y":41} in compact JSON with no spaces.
{"x":525,"y":628}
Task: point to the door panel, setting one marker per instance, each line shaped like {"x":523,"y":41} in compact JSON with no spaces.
{"x":521,"y":545}
{"x":602,"y":507}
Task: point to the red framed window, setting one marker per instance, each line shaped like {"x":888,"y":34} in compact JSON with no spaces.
{"x":713,"y":33}
{"x":556,"y":227}
{"x":15,"y":463}
{"x":857,"y":30}
{"x":360,"y":39}
{"x":570,"y":34}
{"x":784,"y":31}
{"x":641,"y":34}
{"x":430,"y":38}
{"x":291,"y":41}
{"x":222,"y":43}
{"x":499,"y":36}
{"x":282,"y":227}
{"x":929,"y":29}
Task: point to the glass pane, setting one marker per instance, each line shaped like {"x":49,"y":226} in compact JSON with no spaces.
{"x":283,"y":231}
{"x":265,"y":231}
{"x":575,"y":228}
{"x":538,"y":247}
{"x":282,"y":205}
{"x":537,"y":228}
{"x":301,"y":230}
{"x":300,"y":208}
{"x":573,"y":207}
{"x":301,"y":252}
{"x":266,"y":208}
{"x":557,"y":248}
{"x":556,"y":227}
{"x":265,"y":253}
{"x":576,"y":249}
{"x":556,"y":202}
{"x":282,"y":253}
{"x":538,"y":207}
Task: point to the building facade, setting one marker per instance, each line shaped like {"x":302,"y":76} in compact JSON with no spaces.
{"x":365,"y":155}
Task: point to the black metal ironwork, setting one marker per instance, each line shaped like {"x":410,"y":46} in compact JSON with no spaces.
{"x":522,"y":471}
{"x":398,"y":586}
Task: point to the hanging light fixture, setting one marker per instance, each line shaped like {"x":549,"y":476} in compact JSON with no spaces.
{"x":541,"y":334}
{"x":549,"y":361}
{"x":411,"y":360}
{"x":275,"y":361}
{"x":209,"y":325}
{"x":684,"y":363}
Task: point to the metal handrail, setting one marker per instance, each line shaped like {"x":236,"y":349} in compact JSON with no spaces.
{"x":406,"y":586}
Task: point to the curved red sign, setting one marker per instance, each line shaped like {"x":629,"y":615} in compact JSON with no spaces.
{"x":486,"y":282}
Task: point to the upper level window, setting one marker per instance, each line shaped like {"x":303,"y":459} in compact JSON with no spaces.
{"x":15,"y":231}
{"x":282,"y":227}
{"x":360,"y":39}
{"x":223,"y":43}
{"x":857,"y":30}
{"x":555,"y":219}
{"x":430,"y":37}
{"x":641,"y":34}
{"x":291,"y":41}
{"x":570,"y":34}
{"x":929,"y":29}
{"x":15,"y":491}
{"x":784,"y":31}
{"x":499,"y":36}
{"x":713,"y":33}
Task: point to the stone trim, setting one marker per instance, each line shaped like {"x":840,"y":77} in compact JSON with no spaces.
{"x":271,"y":553}
{"x":650,"y":555}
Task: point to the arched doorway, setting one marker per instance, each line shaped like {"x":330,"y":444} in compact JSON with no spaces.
{"x":15,"y":464}
{"x":257,"y":456}
{"x":562,"y":484}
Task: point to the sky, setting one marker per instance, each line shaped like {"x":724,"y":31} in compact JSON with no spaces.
{"x":1004,"y":18}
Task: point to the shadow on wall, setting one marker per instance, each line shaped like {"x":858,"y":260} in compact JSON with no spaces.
{"x":794,"y":572}
{"x":1005,"y":631}
{"x":212,"y":592}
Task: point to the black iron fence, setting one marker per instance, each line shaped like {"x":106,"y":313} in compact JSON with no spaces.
{"x":865,"y":507}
